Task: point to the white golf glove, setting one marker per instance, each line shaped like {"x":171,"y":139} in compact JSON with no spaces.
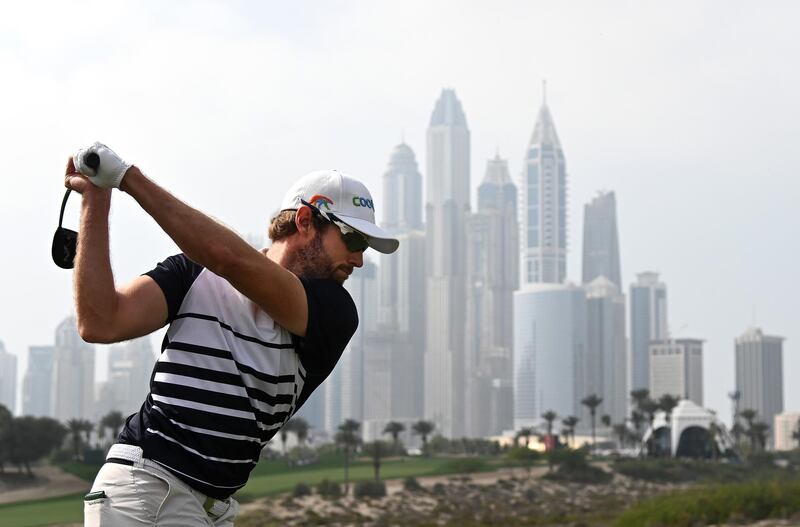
{"x":109,"y":172}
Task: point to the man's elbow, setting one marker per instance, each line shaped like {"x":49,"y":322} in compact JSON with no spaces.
{"x":94,"y":334}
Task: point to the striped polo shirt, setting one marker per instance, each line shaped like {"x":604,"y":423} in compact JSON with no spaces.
{"x":229,"y":377}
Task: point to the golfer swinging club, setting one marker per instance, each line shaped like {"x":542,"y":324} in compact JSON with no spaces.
{"x":251,"y":334}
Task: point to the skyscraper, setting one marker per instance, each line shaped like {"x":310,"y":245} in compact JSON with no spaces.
{"x":676,"y":368}
{"x":73,"y":374}
{"x":402,"y":191}
{"x":38,"y":381}
{"x":549,"y":340}
{"x":492,"y":277}
{"x":604,"y":368}
{"x":543,"y":199}
{"x":600,"y":240}
{"x":8,"y":379}
{"x":759,"y":375}
{"x":344,"y":394}
{"x":400,"y":343}
{"x":447,"y":183}
{"x":129,"y":368}
{"x":648,"y":322}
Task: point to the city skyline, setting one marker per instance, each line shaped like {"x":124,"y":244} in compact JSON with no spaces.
{"x":661,"y":137}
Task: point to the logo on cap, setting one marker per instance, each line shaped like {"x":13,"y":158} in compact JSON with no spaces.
{"x":358,"y":201}
{"x":319,"y":201}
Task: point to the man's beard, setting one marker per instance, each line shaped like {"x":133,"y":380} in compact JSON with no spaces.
{"x":311,"y":261}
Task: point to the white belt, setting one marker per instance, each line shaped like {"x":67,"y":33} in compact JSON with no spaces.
{"x":130,"y":455}
{"x":119,"y":452}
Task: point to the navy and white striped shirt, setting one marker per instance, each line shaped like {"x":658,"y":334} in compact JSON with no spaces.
{"x":229,"y":377}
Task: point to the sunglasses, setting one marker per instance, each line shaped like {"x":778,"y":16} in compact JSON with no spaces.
{"x":353,"y":240}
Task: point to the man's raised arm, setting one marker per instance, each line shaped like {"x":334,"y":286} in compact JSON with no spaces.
{"x":104,"y":313}
{"x":217,"y":248}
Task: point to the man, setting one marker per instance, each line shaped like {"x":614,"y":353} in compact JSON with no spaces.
{"x":251,"y":334}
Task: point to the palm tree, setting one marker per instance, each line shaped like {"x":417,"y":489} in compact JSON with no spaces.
{"x":621,"y":430}
{"x":636,"y":419}
{"x":300,"y":428}
{"x":639,"y":396}
{"x":284,"y":433}
{"x":735,"y":397}
{"x":423,"y":429}
{"x":75,"y":428}
{"x":667,"y":404}
{"x":759,"y":432}
{"x":569,"y":425}
{"x":376,"y":450}
{"x":606,"y":420}
{"x":549,"y":416}
{"x":713,"y":433}
{"x":87,"y":427}
{"x":796,"y":433}
{"x":349,"y":438}
{"x":525,"y":433}
{"x":592,"y":402}
{"x":394,"y":429}
{"x":113,"y":420}
{"x":650,"y":407}
{"x":749,"y":415}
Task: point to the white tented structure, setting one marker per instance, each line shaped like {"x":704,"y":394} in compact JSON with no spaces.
{"x":688,"y":430}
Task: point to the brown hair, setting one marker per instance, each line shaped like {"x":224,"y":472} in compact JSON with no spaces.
{"x":283,"y":225}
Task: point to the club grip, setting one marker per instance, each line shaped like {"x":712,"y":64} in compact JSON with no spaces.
{"x":92,"y":160}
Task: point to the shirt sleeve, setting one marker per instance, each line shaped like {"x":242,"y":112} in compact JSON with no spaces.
{"x":175,"y":276}
{"x":332,"y":321}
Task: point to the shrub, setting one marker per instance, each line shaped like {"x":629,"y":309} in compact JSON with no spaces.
{"x":369,"y":489}
{"x":329,"y":489}
{"x":744,"y":502}
{"x":301,"y":489}
{"x":412,"y":485}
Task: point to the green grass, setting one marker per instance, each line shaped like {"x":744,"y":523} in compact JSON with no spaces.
{"x":86,"y":472}
{"x":738,"y":502}
{"x":63,"y":509}
{"x":274,"y":477}
{"x":268,"y":478}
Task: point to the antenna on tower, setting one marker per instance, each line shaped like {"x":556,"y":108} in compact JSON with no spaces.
{"x":402,"y":136}
{"x":544,"y":91}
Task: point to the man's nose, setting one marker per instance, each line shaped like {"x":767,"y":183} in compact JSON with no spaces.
{"x":357,"y":259}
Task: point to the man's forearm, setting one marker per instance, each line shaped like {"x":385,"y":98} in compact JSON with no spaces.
{"x":219,"y":249}
{"x":203,"y":239}
{"x":95,"y":294}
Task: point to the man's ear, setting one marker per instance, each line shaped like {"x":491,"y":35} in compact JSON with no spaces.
{"x":303,"y":220}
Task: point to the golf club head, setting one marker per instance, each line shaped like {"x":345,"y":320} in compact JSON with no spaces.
{"x":65,"y":244}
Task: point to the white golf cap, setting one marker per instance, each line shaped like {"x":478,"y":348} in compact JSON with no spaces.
{"x":334,"y":192}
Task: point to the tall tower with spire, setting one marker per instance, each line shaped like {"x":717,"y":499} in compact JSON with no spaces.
{"x":543,"y":188}
{"x":447,"y":184}
{"x":492,"y":277}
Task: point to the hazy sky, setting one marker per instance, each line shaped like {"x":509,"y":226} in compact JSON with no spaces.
{"x":687,"y":110}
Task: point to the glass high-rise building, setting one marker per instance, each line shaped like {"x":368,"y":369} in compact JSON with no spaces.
{"x":550,"y":338}
{"x":38,"y":382}
{"x":73,"y":374}
{"x":8,"y":379}
{"x":759,"y":375}
{"x":402,"y":191}
{"x":600,"y":239}
{"x":676,"y":368}
{"x":604,"y":368}
{"x":648,"y":319}
{"x":492,"y":277}
{"x":543,"y":205}
{"x":446,"y":209}
{"x":400,"y":342}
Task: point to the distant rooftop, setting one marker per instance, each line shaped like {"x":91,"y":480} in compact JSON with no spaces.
{"x":448,"y":110}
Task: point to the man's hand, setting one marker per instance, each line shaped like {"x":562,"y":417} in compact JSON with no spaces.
{"x":76,"y":181}
{"x":110,"y":170}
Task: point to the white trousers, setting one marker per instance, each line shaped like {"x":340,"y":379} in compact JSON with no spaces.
{"x":147,"y":494}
